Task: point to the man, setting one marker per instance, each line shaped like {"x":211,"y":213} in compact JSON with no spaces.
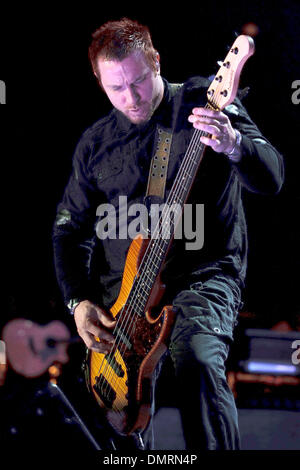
{"x":112,"y":159}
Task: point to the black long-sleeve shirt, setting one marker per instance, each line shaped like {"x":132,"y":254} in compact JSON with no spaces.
{"x":112,"y":159}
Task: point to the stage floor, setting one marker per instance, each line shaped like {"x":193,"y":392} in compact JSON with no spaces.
{"x":260,"y":429}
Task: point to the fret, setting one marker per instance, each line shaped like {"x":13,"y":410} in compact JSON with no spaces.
{"x":193,"y":161}
{"x":186,"y":174}
{"x":178,"y":200}
{"x":139,"y":297}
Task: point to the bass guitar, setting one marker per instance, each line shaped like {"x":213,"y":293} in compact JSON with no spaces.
{"x":121,"y":380}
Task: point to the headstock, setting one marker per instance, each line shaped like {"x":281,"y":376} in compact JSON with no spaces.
{"x":223,"y":88}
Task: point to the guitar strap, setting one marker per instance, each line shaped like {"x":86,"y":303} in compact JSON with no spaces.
{"x":159,"y":165}
{"x":160,"y":160}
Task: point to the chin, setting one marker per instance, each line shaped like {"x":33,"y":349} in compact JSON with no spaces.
{"x":140,"y":120}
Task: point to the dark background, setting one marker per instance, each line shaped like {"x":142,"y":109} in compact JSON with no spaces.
{"x":52,"y":97}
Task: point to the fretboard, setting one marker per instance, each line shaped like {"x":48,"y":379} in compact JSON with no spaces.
{"x":163,"y":233}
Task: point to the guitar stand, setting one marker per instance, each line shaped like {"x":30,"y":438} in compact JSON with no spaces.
{"x":55,"y":390}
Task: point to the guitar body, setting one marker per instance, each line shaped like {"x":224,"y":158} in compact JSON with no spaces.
{"x":32,"y":348}
{"x":121,"y":381}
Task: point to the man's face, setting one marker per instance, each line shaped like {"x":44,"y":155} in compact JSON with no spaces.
{"x":132,"y":86}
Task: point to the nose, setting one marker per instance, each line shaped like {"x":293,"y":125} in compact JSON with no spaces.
{"x":132,"y":97}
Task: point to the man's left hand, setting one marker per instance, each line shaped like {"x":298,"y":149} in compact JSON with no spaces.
{"x":216,"y":123}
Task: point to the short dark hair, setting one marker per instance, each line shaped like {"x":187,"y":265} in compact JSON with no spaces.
{"x":116,"y":40}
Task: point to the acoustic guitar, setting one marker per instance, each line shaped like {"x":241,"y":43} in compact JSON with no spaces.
{"x":31,"y":348}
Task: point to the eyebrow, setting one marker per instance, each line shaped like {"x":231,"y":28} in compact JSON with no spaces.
{"x":143,"y":75}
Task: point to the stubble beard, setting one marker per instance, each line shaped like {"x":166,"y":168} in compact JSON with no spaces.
{"x":148,"y":113}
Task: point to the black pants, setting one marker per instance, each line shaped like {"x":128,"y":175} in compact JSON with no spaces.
{"x":206,"y":316}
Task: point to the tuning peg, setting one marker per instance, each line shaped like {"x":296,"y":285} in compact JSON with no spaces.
{"x":235,"y":34}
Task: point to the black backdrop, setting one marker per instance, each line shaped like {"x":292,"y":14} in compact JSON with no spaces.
{"x":52,"y":97}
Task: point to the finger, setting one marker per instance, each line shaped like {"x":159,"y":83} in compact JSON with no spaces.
{"x":94,"y":345}
{"x":205,"y":120}
{"x":213,"y":143}
{"x":100,"y":347}
{"x":210,"y":129}
{"x":99,"y":332}
{"x":105,"y":318}
{"x":210,"y":113}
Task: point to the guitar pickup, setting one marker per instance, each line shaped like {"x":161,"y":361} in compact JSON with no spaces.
{"x":105,"y":391}
{"x":116,"y":367}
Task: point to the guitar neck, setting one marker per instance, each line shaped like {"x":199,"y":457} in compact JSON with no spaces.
{"x":188,"y":170}
{"x":163,"y":233}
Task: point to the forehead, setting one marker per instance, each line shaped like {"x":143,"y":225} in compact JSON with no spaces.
{"x":130,"y":68}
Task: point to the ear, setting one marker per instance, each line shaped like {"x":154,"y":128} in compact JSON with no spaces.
{"x":157,"y":61}
{"x":99,"y":81}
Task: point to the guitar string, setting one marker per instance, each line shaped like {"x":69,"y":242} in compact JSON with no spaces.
{"x":149,"y":258}
{"x":158,"y":247}
{"x":174,"y":198}
{"x":132,"y":304}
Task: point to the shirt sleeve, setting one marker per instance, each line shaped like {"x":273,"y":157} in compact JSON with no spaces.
{"x":261,"y":167}
{"x":73,"y":230}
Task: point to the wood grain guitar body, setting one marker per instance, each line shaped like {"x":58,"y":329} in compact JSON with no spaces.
{"x":121,"y":381}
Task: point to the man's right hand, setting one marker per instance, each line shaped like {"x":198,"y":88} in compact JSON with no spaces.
{"x":92,"y":322}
